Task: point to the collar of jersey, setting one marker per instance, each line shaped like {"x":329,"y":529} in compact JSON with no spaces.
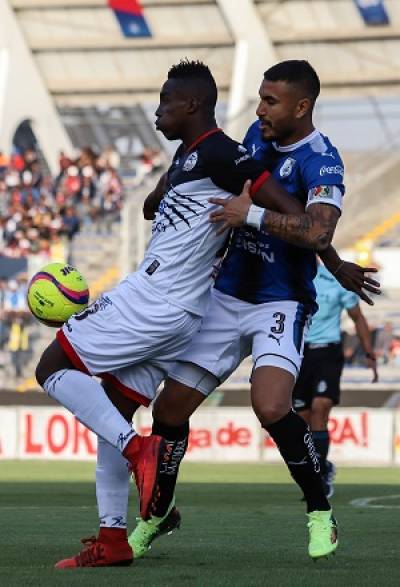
{"x":202,"y":137}
{"x":300,"y":143}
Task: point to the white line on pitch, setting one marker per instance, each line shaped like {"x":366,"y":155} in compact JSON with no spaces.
{"x":367,"y":502}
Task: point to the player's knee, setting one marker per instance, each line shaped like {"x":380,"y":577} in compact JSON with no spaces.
{"x":269,"y":414}
{"x":52,"y":360}
{"x":42,"y":371}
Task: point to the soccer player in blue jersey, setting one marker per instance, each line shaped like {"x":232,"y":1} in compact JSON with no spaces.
{"x":317,"y":388}
{"x":140,"y":334}
{"x":264,"y":298}
{"x":131,"y":336}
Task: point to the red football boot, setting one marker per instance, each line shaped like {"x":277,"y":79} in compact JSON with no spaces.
{"x":145,"y":454}
{"x":111,"y":548}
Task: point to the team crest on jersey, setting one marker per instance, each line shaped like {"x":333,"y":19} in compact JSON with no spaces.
{"x":190,"y":162}
{"x":287,"y":167}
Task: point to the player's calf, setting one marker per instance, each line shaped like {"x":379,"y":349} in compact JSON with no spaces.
{"x":145,"y":453}
{"x":155,"y":463}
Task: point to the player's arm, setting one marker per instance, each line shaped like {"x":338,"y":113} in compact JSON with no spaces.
{"x":364,"y":335}
{"x":351,"y":276}
{"x":154,"y":198}
{"x":311,"y":229}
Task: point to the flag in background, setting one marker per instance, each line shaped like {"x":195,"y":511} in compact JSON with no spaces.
{"x":373,"y":12}
{"x":130,"y":16}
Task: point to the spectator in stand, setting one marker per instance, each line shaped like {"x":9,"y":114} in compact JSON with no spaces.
{"x":3,"y":328}
{"x":87,"y":157}
{"x":71,"y":222}
{"x":4,"y":162}
{"x":395,"y":351}
{"x":109,"y":212}
{"x":109,"y":159}
{"x":17,"y":316}
{"x":383,"y":343}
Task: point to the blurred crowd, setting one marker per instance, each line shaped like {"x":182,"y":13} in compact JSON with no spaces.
{"x":386,"y":343}
{"x":39,"y":211}
{"x":39,"y":216}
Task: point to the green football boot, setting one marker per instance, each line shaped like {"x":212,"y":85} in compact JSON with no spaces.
{"x":322,"y":527}
{"x":146,"y":531}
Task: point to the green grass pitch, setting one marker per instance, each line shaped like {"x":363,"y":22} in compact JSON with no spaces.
{"x":243,"y":525}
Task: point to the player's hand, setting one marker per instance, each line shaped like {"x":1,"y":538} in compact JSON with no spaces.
{"x":354,"y":278}
{"x":233,"y":212}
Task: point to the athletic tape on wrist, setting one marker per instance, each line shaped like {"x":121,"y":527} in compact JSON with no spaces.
{"x":255,"y":216}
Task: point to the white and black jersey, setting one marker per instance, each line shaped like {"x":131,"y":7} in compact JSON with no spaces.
{"x":179,"y":259}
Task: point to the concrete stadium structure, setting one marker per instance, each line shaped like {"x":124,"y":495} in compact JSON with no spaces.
{"x":64,"y":65}
{"x":80,"y":57}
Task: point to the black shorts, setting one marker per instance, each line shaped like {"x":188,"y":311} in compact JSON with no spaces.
{"x":319,"y":375}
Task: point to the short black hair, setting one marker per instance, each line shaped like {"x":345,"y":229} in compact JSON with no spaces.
{"x":198,"y":75}
{"x":298,"y":72}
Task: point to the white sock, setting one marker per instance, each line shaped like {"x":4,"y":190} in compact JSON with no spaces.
{"x":112,"y":486}
{"x":86,"y":399}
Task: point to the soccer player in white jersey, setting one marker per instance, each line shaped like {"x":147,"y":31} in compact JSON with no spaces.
{"x":131,"y":335}
{"x":263,"y":299}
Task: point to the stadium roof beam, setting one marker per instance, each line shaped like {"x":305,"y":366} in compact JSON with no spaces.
{"x":127,"y":98}
{"x":286,"y":37}
{"x":254,"y":52}
{"x":102,"y":44}
{"x":56,"y":4}
{"x":105,"y":87}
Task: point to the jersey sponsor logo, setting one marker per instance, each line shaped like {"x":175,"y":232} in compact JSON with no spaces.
{"x":98,"y":306}
{"x":247,"y":242}
{"x":309,"y":444}
{"x":243,"y":158}
{"x":190,"y":162}
{"x":322,"y":191}
{"x":287,"y":167}
{"x":331,"y":170}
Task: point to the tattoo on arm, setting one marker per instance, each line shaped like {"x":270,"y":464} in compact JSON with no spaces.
{"x":312,"y":230}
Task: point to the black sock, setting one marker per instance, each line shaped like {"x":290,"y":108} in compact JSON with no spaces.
{"x":177,"y":442}
{"x":294,"y":440}
{"x":321,"y":443}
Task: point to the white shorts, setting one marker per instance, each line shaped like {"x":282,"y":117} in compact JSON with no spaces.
{"x":129,"y":336}
{"x":232,"y":330}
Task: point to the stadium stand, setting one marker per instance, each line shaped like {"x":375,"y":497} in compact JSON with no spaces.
{"x":103,"y":88}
